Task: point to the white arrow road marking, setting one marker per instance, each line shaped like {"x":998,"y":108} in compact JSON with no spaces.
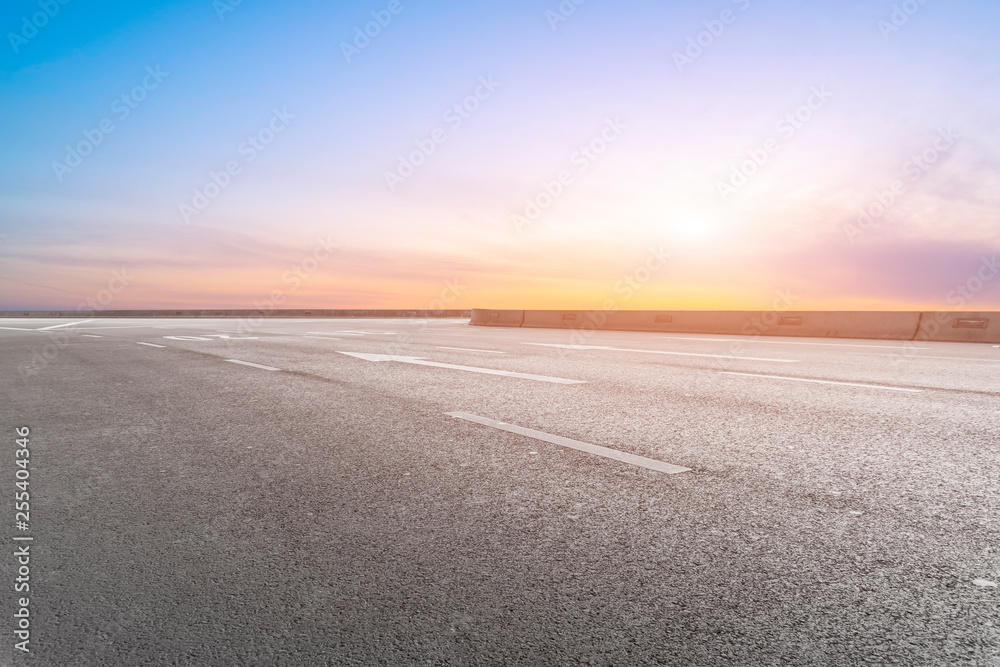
{"x":67,"y":324}
{"x":247,"y":363}
{"x":472,"y":369}
{"x":624,"y":457}
{"x":677,"y":354}
{"x":848,"y":384}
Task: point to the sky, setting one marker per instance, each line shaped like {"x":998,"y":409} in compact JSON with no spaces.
{"x":500,"y":154}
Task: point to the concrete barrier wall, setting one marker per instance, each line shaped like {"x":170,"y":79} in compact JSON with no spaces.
{"x":674,"y":321}
{"x":729,"y":322}
{"x":640,"y":320}
{"x":960,"y":327}
{"x":420,"y":314}
{"x":847,"y":324}
{"x":884,"y":325}
{"x":555,"y":319}
{"x":888,"y":325}
{"x":484,"y":317}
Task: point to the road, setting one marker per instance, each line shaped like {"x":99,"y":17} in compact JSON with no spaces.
{"x":397,"y":492}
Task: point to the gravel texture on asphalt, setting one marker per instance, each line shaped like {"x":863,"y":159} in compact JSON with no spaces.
{"x":188,"y":511}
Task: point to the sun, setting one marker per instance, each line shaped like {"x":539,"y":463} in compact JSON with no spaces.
{"x":695,"y":229}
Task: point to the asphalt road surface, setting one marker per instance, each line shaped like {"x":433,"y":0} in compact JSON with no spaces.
{"x":398,"y":492}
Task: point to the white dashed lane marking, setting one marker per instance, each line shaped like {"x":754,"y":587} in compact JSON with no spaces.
{"x":65,"y":324}
{"x":792,"y":342}
{"x":247,"y":363}
{"x":149,"y":344}
{"x":469,"y":349}
{"x":614,"y":454}
{"x":418,"y":361}
{"x":846,"y":384}
{"x":913,"y":357}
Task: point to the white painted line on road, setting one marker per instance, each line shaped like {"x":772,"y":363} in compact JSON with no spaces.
{"x":126,"y":326}
{"x":469,"y":349}
{"x":848,"y":384}
{"x":42,"y":329}
{"x":247,"y":363}
{"x":324,"y":337}
{"x":65,"y":324}
{"x":91,"y":336}
{"x":791,"y":342}
{"x":139,"y":342}
{"x":624,"y":457}
{"x":472,"y":369}
{"x":708,"y":340}
{"x":357,"y":332}
{"x":925,"y":356}
{"x":187,"y":325}
{"x":677,"y":354}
